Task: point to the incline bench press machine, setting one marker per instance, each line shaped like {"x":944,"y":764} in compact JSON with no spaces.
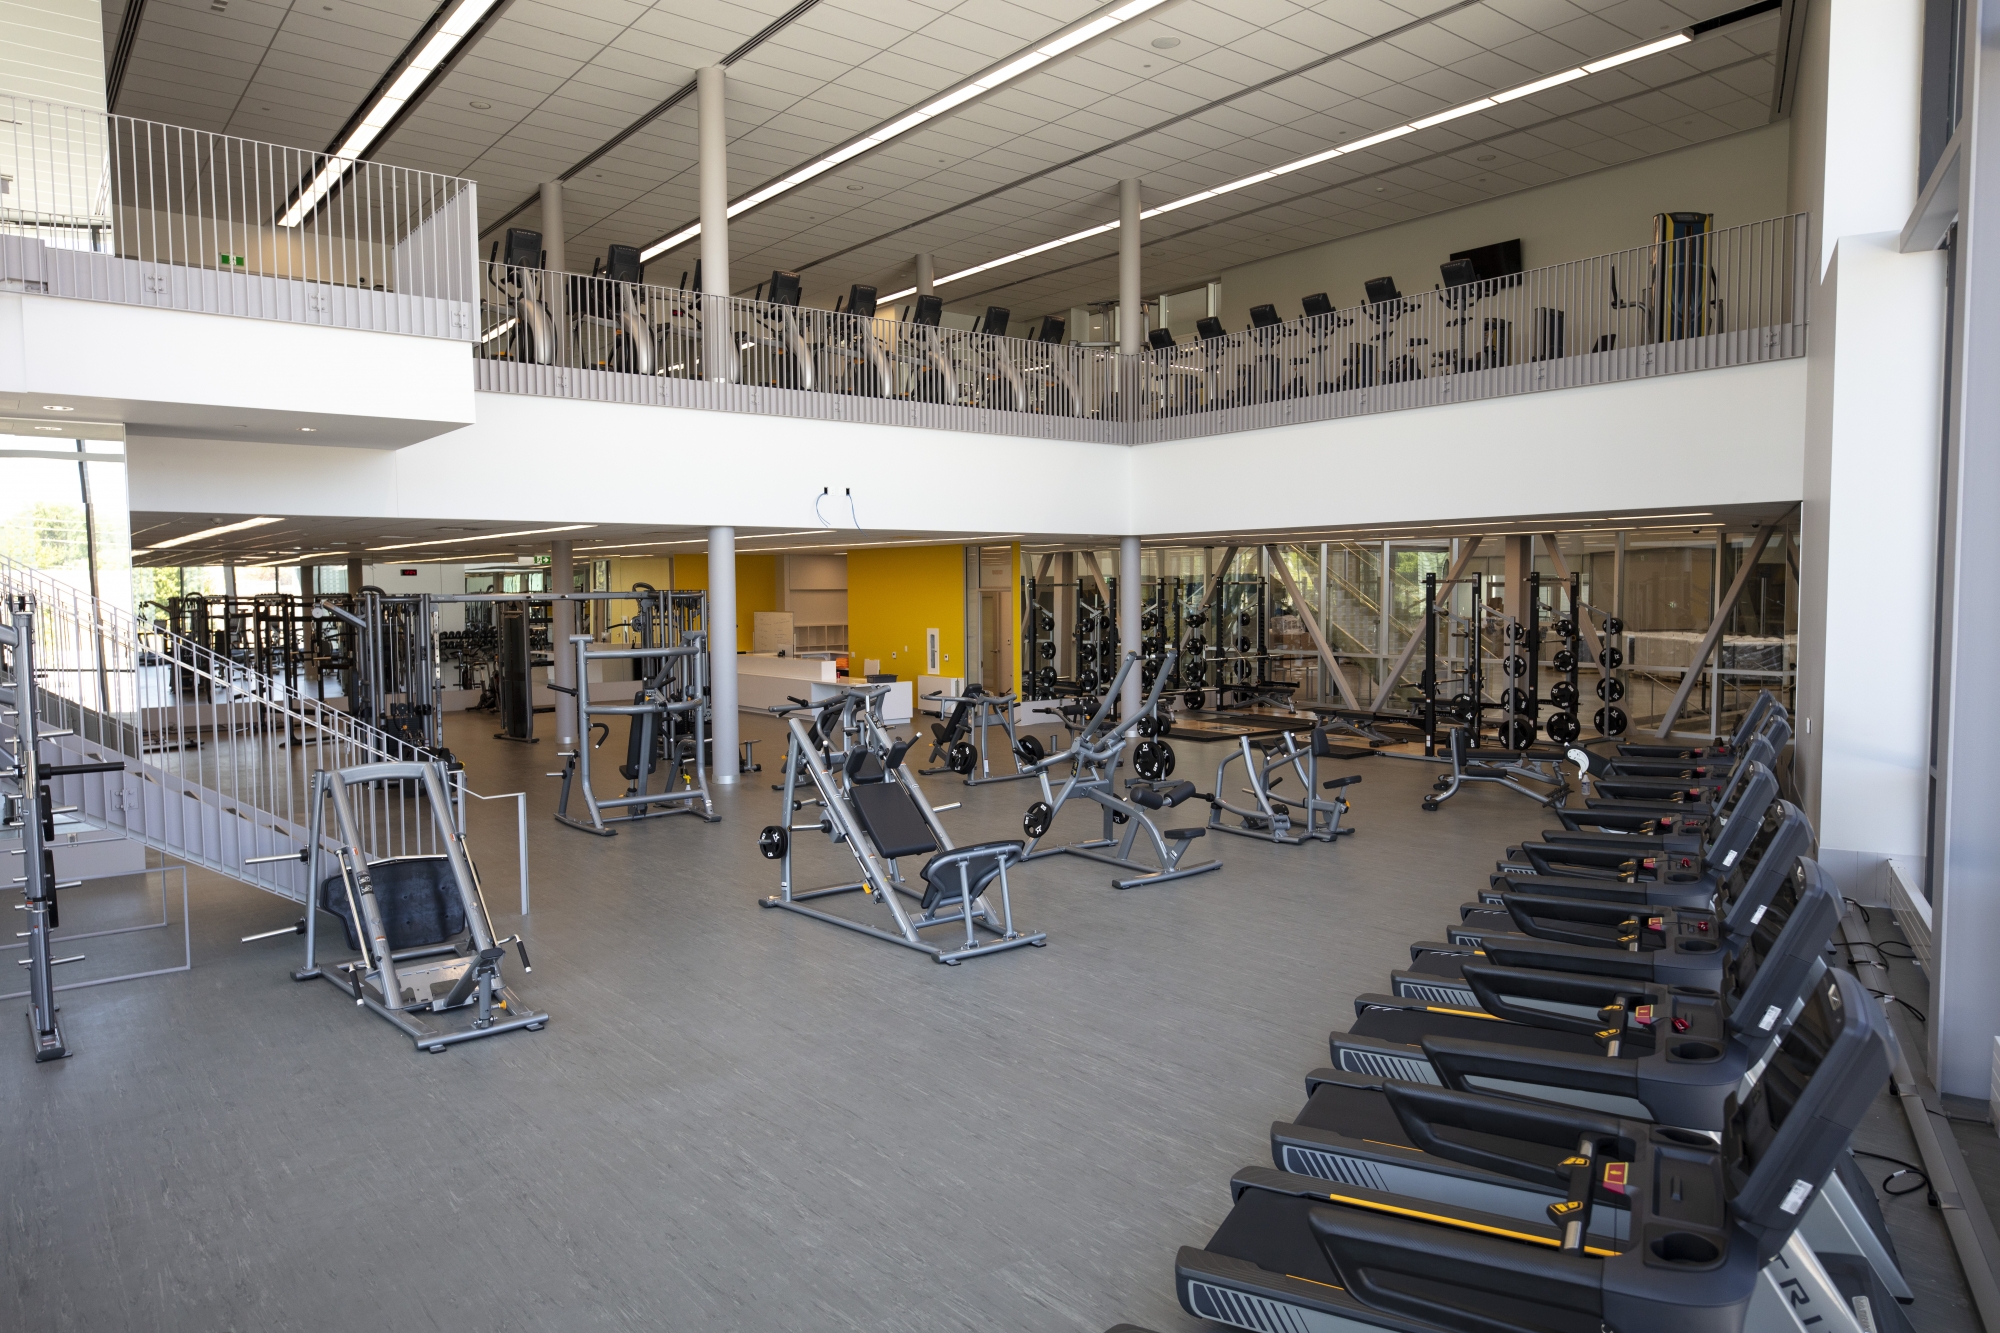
{"x":874,"y":804}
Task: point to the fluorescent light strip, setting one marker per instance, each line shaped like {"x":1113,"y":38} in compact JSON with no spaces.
{"x":213,"y":532}
{"x":386,"y":108}
{"x":998,"y":77}
{"x":483,"y":537}
{"x":1438,"y":118}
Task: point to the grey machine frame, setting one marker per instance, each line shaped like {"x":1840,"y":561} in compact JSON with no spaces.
{"x":378,"y":978}
{"x":686,"y":674}
{"x":860,"y":721}
{"x":1095,"y":754}
{"x":1322,"y":817}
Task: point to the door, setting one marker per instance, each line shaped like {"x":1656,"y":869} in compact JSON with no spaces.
{"x":995,"y":639}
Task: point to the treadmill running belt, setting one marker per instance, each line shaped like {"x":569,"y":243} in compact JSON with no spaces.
{"x":1272,"y":1231}
{"x":1364,"y":1113}
{"x":1411,"y":1026}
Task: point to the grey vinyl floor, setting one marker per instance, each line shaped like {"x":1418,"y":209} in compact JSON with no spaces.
{"x":736,"y":1119}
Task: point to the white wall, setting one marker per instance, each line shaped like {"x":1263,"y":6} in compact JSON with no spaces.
{"x":1715,"y":437}
{"x":179,"y":372}
{"x":433,"y":579}
{"x":1869,"y":525}
{"x":1739,"y":179}
{"x":53,"y":51}
{"x":1720,"y":437}
{"x":551,"y":460}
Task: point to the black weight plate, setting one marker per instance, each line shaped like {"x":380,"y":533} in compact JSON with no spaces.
{"x":773,"y":841}
{"x":1565,"y":660}
{"x":1514,"y":700}
{"x":1613,"y":625}
{"x":1046,"y":678}
{"x":1146,"y":727}
{"x":1036,"y":822}
{"x":1166,"y":757}
{"x":1164,"y":726}
{"x":1563,"y":628}
{"x":1516,"y":733}
{"x":1513,"y":665}
{"x":1611,"y":689}
{"x":1610,"y":720}
{"x":1514,"y":631}
{"x":1149,"y":619}
{"x":1146,"y":761}
{"x":1047,"y":649}
{"x":1086,"y":681}
{"x":1030,"y":749}
{"x":1563,"y":728}
{"x":1192,"y":698}
{"x":1460,"y":707}
{"x":962,"y":758}
{"x":1562,"y":694}
{"x":1614,"y":658}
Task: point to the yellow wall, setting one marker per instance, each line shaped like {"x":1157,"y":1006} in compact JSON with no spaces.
{"x":757,"y":578}
{"x":896,"y":593}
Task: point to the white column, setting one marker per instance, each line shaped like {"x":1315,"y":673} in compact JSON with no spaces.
{"x":562,"y":624}
{"x":718,"y":347}
{"x":1131,"y":301}
{"x":722,"y":652}
{"x":552,"y":227}
{"x":926,"y":275}
{"x":1128,"y":623}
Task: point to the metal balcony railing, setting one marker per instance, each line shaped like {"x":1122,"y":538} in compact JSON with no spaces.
{"x":576,"y":336}
{"x":1723,"y":298}
{"x":109,"y":208}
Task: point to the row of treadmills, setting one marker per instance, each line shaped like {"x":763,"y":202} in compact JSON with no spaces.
{"x":1618,"y":1097}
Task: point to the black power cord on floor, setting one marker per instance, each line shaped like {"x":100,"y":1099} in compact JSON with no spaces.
{"x":1905,"y":1169}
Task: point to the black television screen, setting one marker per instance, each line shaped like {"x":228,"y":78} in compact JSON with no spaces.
{"x":1501,"y":260}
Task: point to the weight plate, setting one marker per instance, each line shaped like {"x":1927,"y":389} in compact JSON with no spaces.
{"x":1046,"y":678}
{"x":1036,"y":821}
{"x":1164,"y":726}
{"x":1146,"y":727}
{"x":1243,"y":645}
{"x":773,"y":841}
{"x":1563,"y":628}
{"x":1516,"y":733}
{"x":1196,"y":620}
{"x":1192,"y":698}
{"x":1562,"y":694}
{"x":1149,"y":619}
{"x":1563,"y":728}
{"x":1047,"y":649}
{"x":1610,"y":721}
{"x":1166,"y":756}
{"x":1104,"y":620}
{"x":1195,"y":646}
{"x":1513,"y":664}
{"x":1514,"y":631}
{"x":1565,"y":660}
{"x":1087,"y":681}
{"x":1030,"y":749}
{"x":1614,"y":658}
{"x":1151,"y":646}
{"x":1460,"y":708}
{"x":1514,"y":700}
{"x":1147,"y":762}
{"x":1613,"y":625}
{"x":962,"y":758}
{"x":1611,"y":689}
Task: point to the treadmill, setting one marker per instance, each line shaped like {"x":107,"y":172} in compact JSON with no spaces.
{"x":1668,"y":1053}
{"x":1644,"y":1229}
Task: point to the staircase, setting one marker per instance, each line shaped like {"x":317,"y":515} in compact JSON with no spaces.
{"x":218,"y":758}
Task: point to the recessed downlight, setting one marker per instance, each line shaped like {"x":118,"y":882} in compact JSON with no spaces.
{"x":1165,"y":43}
{"x":56,"y":407}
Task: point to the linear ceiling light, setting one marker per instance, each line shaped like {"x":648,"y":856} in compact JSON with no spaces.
{"x":388,"y":106}
{"x":999,"y":76}
{"x":213,"y":532}
{"x":1437,"y":118}
{"x":483,"y":537}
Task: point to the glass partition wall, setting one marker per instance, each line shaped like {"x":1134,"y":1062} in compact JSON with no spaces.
{"x":1276,"y":611}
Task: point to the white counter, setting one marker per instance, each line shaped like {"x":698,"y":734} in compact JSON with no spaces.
{"x":765,"y":681}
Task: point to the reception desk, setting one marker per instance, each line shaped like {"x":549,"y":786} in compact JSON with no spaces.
{"x":765,"y":681}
